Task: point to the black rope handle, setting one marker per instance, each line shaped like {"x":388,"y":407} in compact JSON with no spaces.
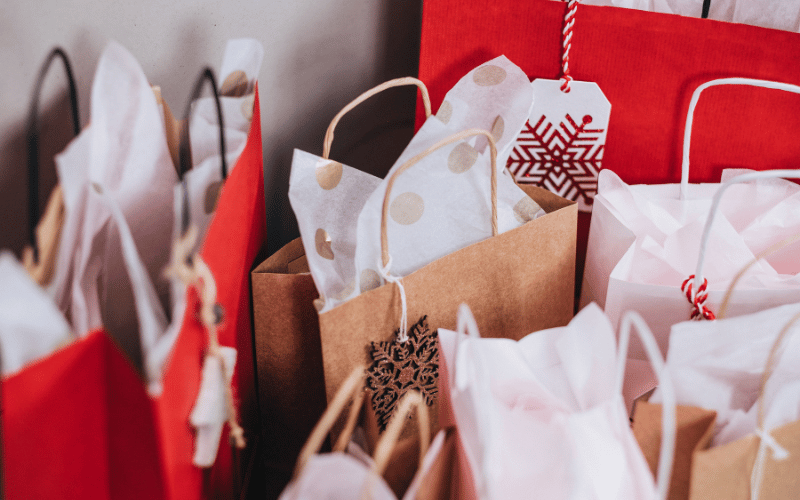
{"x":185,"y":154}
{"x":706,"y":8}
{"x":33,"y":138}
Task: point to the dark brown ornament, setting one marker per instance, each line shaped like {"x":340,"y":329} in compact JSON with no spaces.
{"x":399,"y":367}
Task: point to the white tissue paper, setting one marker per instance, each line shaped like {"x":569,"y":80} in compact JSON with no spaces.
{"x":439,"y":205}
{"x":718,"y":365}
{"x":121,"y":158}
{"x":645,"y":241}
{"x":237,"y":77}
{"x":31,"y":326}
{"x":544,"y":414}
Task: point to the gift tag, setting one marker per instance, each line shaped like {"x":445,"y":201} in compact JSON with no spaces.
{"x":401,"y":365}
{"x":561,"y":146}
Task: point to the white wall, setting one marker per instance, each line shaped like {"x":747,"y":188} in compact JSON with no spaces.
{"x":320,"y":54}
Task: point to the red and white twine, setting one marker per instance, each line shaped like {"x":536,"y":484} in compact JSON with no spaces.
{"x":566,"y":36}
{"x":697,"y":299}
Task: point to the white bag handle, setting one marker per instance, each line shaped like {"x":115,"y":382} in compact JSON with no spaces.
{"x":767,"y":174}
{"x":765,"y":438}
{"x":668,"y":431}
{"x":687,"y":133}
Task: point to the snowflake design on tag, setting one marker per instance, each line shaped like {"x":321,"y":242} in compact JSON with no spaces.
{"x":400,"y":367}
{"x":564,"y":159}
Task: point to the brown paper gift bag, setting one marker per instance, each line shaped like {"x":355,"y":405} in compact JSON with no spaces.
{"x":746,"y":468}
{"x":288,"y":358}
{"x":516,"y":282}
{"x":695,"y":428}
{"x":350,"y":471}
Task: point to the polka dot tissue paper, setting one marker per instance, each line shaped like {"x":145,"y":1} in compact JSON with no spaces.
{"x":438,"y":206}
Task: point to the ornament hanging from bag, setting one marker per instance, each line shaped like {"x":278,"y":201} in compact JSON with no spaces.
{"x":561,"y":146}
{"x":401,"y":365}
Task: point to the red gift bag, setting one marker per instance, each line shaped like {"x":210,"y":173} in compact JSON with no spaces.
{"x":647,"y":65}
{"x":80,"y":423}
{"x":236,"y":235}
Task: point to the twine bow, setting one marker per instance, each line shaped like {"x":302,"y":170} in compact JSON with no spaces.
{"x":778,"y":453}
{"x":193,"y":271}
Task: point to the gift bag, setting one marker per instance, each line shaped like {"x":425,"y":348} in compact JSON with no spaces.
{"x":736,"y":384}
{"x":339,"y":208}
{"x":644,"y":63}
{"x":367,"y":303}
{"x":288,"y":359}
{"x":349,"y":471}
{"x":235,"y":235}
{"x":395,"y":323}
{"x":143,"y":445}
{"x":288,"y":348}
{"x":543,"y":417}
{"x":55,"y":389}
{"x":670,"y":251}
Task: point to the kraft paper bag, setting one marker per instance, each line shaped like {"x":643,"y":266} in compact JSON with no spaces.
{"x":350,"y":471}
{"x":288,"y":358}
{"x":444,"y":202}
{"x":743,"y":371}
{"x":694,"y":429}
{"x":518,"y":281}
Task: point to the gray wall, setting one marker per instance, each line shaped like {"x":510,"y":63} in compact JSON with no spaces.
{"x":319,"y":55}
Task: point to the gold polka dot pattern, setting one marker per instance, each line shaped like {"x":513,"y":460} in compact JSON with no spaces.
{"x":525,"y":210}
{"x":322,"y":241}
{"x":235,"y":85}
{"x":489,"y":75}
{"x":369,"y":280}
{"x":462,"y":158}
{"x":329,"y":173}
{"x":498,"y":128}
{"x":445,"y":112}
{"x":407,"y":208}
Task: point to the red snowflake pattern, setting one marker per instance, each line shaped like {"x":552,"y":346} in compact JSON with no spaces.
{"x":564,"y":159}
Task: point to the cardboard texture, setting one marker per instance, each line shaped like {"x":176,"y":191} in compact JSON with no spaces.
{"x":288,"y":358}
{"x":700,"y":472}
{"x":647,"y":65}
{"x":517,"y":282}
{"x":695,"y":427}
{"x":437,"y":484}
{"x":724,"y":471}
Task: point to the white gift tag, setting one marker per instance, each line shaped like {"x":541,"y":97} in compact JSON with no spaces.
{"x":561,"y":146}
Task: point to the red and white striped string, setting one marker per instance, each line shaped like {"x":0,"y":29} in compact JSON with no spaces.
{"x":566,"y":37}
{"x":697,"y":299}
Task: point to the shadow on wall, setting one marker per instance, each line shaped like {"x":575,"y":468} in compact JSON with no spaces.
{"x":55,"y":132}
{"x":55,"y":126}
{"x":371,"y":137}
